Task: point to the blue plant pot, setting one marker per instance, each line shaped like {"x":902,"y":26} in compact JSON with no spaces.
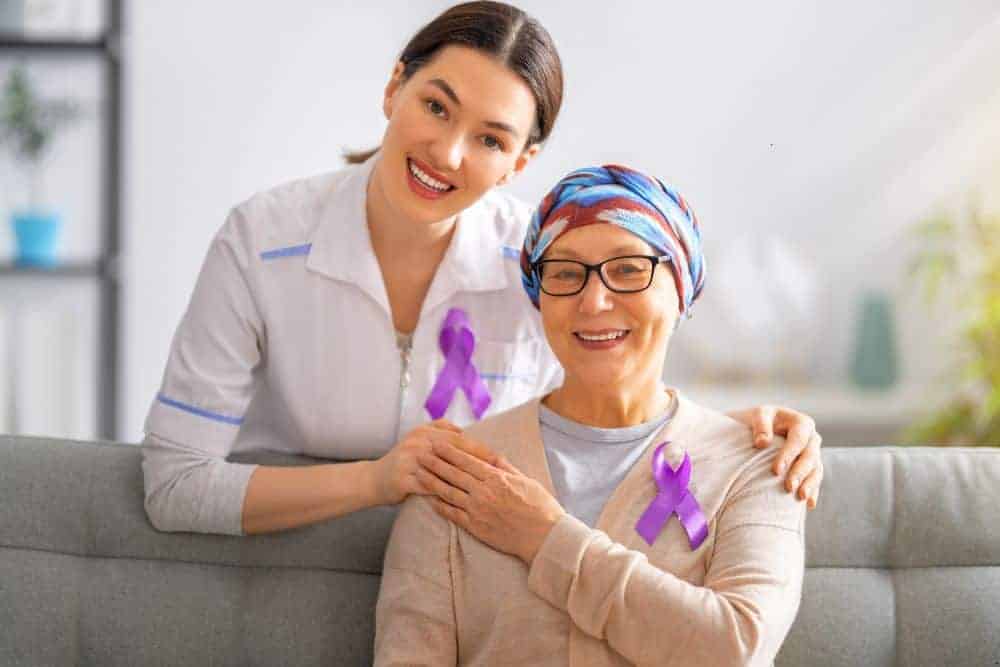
{"x":36,"y":234}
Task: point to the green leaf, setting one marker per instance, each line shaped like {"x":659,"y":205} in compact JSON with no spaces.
{"x":27,"y":122}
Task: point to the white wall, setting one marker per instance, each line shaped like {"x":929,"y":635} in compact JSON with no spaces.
{"x":831,"y":125}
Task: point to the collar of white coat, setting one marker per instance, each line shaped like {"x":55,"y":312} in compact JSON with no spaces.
{"x":342,"y":247}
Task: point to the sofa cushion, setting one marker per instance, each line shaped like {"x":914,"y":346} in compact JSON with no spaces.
{"x":902,"y":555}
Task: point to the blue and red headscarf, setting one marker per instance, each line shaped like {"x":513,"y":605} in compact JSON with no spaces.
{"x":635,"y":202}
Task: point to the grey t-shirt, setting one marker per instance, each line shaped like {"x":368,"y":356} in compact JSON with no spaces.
{"x":588,"y":463}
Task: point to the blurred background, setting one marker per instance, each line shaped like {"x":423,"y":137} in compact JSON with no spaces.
{"x":843,"y":159}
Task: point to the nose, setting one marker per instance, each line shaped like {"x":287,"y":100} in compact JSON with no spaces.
{"x":447,"y":151}
{"x":595,"y":297}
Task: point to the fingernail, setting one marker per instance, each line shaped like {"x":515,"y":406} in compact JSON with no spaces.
{"x":795,"y":482}
{"x":781,"y":468}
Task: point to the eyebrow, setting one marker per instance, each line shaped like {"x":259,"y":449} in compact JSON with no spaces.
{"x":450,"y":92}
{"x":622,"y":250}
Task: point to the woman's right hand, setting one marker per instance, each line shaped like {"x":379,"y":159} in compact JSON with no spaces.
{"x":396,"y":472}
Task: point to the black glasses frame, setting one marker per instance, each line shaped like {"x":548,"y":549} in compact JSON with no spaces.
{"x":655,"y":260}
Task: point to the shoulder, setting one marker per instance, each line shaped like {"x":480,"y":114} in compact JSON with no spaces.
{"x":722,"y":433}
{"x":749,"y":491}
{"x":283,"y":216}
{"x":501,"y":221}
{"x":509,"y":216}
{"x":727,"y":445}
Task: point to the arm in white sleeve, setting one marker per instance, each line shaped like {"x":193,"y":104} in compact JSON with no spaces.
{"x":189,"y":491}
{"x":740,"y":616}
{"x":207,"y":386}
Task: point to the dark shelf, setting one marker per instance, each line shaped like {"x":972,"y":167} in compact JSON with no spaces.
{"x":69,"y":270}
{"x":11,"y":42}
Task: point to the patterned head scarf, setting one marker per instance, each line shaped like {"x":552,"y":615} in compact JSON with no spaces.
{"x":620,"y":196}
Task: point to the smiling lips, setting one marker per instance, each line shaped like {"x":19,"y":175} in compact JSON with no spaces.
{"x":604,"y":339}
{"x":426,"y":182}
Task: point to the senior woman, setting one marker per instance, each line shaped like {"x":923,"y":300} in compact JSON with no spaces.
{"x":621,"y":523}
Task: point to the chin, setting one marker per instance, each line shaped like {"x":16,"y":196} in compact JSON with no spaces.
{"x":598,"y":377}
{"x":431,"y":215}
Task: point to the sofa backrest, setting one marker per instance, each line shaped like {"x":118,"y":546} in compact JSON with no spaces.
{"x":903,"y":560}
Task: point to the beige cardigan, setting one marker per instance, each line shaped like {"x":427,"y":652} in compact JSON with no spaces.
{"x":603,"y":596}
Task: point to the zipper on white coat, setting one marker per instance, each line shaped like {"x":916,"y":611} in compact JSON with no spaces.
{"x":404,"y":343}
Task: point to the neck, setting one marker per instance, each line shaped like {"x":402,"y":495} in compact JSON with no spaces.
{"x":397,"y":238}
{"x":610,"y":406}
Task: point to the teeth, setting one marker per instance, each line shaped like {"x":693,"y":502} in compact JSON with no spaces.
{"x":608,"y":336}
{"x":424,"y":178}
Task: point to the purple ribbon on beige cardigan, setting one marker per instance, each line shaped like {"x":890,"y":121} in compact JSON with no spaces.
{"x":673,"y":497}
{"x":457,"y":343}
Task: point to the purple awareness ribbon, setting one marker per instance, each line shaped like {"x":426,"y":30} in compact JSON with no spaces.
{"x":673,"y":496}
{"x":457,"y":342}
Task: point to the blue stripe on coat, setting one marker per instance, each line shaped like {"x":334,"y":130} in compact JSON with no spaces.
{"x":292,"y":251}
{"x":235,"y":421}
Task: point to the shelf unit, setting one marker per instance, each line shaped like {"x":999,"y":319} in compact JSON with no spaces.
{"x":107,"y":50}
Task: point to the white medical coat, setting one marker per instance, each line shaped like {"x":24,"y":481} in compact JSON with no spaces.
{"x":288,"y":344}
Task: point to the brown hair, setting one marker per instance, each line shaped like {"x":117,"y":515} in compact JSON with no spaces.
{"x":507,"y":34}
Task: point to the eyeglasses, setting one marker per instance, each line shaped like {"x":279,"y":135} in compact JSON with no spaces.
{"x":625,"y":275}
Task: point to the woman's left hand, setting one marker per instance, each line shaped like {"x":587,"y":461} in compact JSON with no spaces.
{"x":800,"y":456}
{"x":498,"y":505}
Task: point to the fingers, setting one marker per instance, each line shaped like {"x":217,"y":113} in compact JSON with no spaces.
{"x":447,"y":472}
{"x":786,"y":419}
{"x":762,"y":424}
{"x":417,"y":486}
{"x":453,"y":496}
{"x":796,"y":440}
{"x":806,"y":461}
{"x":466,"y":444}
{"x":445,"y":425}
{"x":454,"y":514}
{"x":809,"y":491}
{"x":507,"y":466}
{"x":477,"y":449}
{"x":462,"y":460}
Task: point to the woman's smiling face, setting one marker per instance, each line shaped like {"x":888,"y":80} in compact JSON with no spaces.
{"x":457,"y":128}
{"x":637,"y":326}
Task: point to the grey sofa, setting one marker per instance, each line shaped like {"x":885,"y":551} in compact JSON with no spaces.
{"x":903,"y":563}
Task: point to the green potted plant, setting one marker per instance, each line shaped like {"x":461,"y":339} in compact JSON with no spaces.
{"x":963,"y":254}
{"x":27,"y":126}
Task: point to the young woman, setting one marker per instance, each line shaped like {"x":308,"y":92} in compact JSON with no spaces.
{"x":624,"y":525}
{"x":319,"y":322}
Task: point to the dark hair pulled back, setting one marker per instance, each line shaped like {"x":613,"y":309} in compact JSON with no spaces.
{"x":503,"y":32}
